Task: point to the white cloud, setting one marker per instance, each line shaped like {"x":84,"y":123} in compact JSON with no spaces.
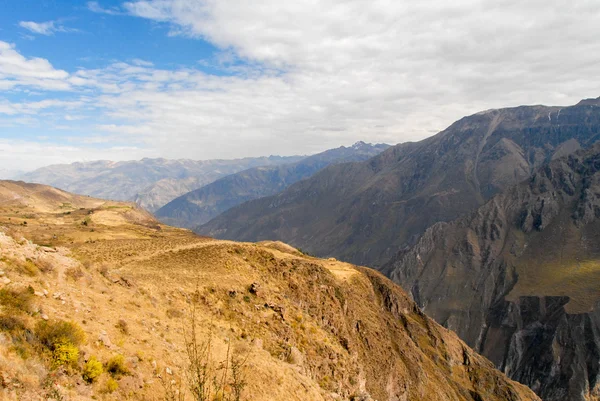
{"x":311,"y":75}
{"x":94,"y":6}
{"x":44,"y":28}
{"x":17,"y":70}
{"x":29,"y":155}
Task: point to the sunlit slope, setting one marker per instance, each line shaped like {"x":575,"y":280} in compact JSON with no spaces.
{"x":307,"y":328}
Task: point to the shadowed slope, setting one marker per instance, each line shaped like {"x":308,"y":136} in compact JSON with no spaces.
{"x":518,"y":279}
{"x":364,"y":212}
{"x":199,"y":206}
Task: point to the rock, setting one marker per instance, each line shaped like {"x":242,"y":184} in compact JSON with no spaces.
{"x":295,"y":357}
{"x":104,"y":339}
{"x":38,"y":294}
{"x":44,"y":316}
{"x":169,"y":371}
{"x":45,"y":292}
{"x":2,"y":273}
{"x":5,"y":280}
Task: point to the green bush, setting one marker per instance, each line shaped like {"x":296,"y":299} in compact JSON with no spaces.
{"x":116,"y":366}
{"x":52,"y":333}
{"x":92,"y":370}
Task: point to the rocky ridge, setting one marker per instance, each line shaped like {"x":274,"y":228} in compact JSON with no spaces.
{"x":364,"y":212}
{"x":518,"y":278}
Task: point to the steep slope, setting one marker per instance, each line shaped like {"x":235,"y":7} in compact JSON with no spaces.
{"x":200,"y":206}
{"x":364,"y":212}
{"x":137,"y":180}
{"x":519,"y":279}
{"x":294,"y":327}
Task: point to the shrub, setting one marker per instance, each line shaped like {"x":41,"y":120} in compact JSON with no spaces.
{"x":122,"y":326}
{"x":174,"y":313}
{"x":28,"y":267}
{"x":111,"y":385}
{"x":19,"y":300}
{"x":11,"y":324}
{"x":64,"y":353}
{"x":52,"y":333}
{"x":92,"y":369}
{"x":116,"y":366}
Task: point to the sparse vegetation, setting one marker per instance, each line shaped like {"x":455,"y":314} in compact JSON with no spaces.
{"x":92,"y":369}
{"x":208,"y":381}
{"x":53,"y":333}
{"x":110,"y":386}
{"x":116,"y":366}
{"x":17,"y":300}
{"x":174,"y":313}
{"x":122,"y":326}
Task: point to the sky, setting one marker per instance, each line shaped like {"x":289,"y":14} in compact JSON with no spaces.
{"x":205,"y":79}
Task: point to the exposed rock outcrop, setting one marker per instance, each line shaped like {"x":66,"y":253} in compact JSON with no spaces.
{"x":518,"y":278}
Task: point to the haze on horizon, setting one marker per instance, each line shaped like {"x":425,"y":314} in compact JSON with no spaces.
{"x":205,"y":79}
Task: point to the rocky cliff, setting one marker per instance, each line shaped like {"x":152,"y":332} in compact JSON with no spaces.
{"x":518,"y":278}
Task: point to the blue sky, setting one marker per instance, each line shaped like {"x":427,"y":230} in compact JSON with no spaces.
{"x":208,"y":79}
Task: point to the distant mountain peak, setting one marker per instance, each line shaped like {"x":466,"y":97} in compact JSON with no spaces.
{"x":590,"y":102}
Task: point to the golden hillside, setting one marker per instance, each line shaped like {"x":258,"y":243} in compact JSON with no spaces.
{"x":279,"y":325}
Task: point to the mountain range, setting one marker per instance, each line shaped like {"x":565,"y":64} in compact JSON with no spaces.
{"x":518,"y":279}
{"x":99,"y":300}
{"x":365,"y":212}
{"x":199,"y":206}
{"x":150,"y":182}
{"x":491,"y":226}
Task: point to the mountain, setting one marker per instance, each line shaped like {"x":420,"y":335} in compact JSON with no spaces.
{"x":364,"y":212}
{"x":201,"y":205}
{"x":518,"y":279}
{"x":7,"y":174}
{"x":141,"y":180}
{"x":100,"y":301}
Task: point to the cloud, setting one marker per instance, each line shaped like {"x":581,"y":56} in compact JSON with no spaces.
{"x":299,"y":77}
{"x":29,"y":155}
{"x":44,"y":28}
{"x":17,"y":70}
{"x":95,"y":7}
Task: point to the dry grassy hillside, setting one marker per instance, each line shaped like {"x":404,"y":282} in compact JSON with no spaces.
{"x":97,"y":301}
